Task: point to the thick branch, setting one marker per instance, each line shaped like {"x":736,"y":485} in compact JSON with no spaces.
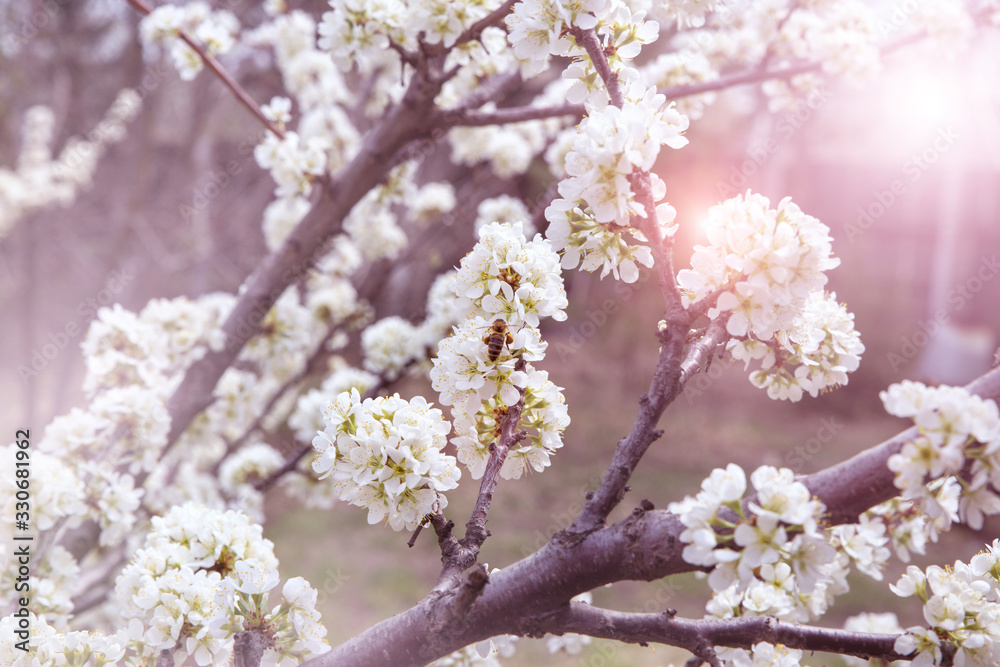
{"x":403,"y":124}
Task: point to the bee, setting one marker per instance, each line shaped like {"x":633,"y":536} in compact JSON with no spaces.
{"x":498,"y":338}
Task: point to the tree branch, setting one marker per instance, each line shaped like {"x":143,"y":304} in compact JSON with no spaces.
{"x":473,"y":118}
{"x":220,"y":72}
{"x":592,"y":44}
{"x":408,"y":121}
{"x":644,"y":546}
{"x":493,"y":18}
{"x":694,"y":634}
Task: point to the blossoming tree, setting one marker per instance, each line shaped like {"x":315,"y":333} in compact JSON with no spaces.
{"x":147,"y":502}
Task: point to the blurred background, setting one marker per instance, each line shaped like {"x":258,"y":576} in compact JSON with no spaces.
{"x":902,"y":167}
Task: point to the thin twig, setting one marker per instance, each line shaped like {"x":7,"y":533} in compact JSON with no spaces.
{"x":517,"y":115}
{"x":589,"y":41}
{"x":475,"y":529}
{"x":220,"y":72}
{"x":493,"y":18}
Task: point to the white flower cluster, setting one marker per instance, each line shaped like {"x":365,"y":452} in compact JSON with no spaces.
{"x":178,"y":590}
{"x":390,"y":345}
{"x":597,"y":199}
{"x":683,"y":68}
{"x":772,"y":561}
{"x":39,"y":180}
{"x":504,"y":287}
{"x":612,"y":145}
{"x":509,"y":277}
{"x":238,"y":473}
{"x":961,"y":606}
{"x":955,"y":427}
{"x":293,"y":162}
{"x":48,"y":647}
{"x":844,"y":36}
{"x":504,"y":209}
{"x":307,"y":418}
{"x":767,"y":268}
{"x":152,"y":349}
{"x":215,"y":30}
{"x":293,"y":627}
{"x":356,"y":31}
{"x":384,"y":454}
{"x":818,"y":352}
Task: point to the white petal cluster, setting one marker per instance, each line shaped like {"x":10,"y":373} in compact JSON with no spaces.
{"x":955,"y":427}
{"x":614,"y":144}
{"x":238,"y":473}
{"x":766,"y":268}
{"x":844,"y":36}
{"x":215,"y":30}
{"x":433,"y":200}
{"x":390,"y":345}
{"x":774,"y":560}
{"x":762,"y":655}
{"x":537,"y":29}
{"x":590,"y":219}
{"x":39,"y":180}
{"x":515,"y":282}
{"x":443,"y":310}
{"x":355,"y":31}
{"x":765,"y":261}
{"x":683,"y":68}
{"x":293,"y":162}
{"x":49,"y":647}
{"x":960,"y":603}
{"x":543,"y":420}
{"x":507,"y":277}
{"x":169,"y":587}
{"x":374,"y":228}
{"x":384,"y":454}
{"x":289,"y":332}
{"x":816,"y":355}
{"x":308,"y":415}
{"x":292,"y":630}
{"x":509,"y":149}
{"x":504,"y":209}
